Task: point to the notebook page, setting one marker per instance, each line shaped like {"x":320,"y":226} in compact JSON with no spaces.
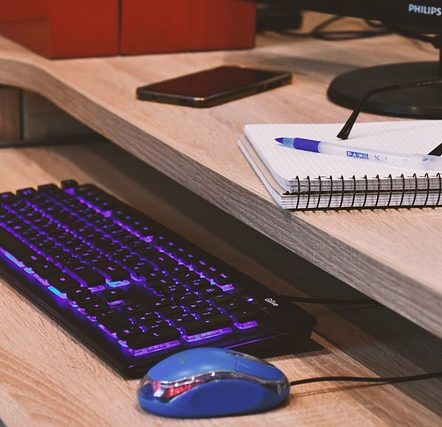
{"x":411,"y":137}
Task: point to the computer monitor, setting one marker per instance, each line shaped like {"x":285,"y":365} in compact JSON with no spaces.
{"x":419,"y":16}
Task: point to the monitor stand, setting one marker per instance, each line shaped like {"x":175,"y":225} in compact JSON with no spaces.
{"x":348,"y":89}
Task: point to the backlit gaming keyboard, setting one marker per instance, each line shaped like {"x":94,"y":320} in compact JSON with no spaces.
{"x":129,"y":288}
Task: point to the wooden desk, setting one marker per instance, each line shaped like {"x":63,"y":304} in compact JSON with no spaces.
{"x":48,"y":378}
{"x":389,"y":255}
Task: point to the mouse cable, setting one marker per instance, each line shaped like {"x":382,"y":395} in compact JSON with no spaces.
{"x":383,"y":380}
{"x":340,"y":301}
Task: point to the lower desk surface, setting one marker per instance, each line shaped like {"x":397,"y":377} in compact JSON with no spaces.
{"x":47,"y":378}
{"x":390,"y":255}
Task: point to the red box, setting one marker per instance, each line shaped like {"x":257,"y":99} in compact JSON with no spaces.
{"x":222,"y":24}
{"x":152,"y":26}
{"x":63,"y":28}
{"x":81,"y":28}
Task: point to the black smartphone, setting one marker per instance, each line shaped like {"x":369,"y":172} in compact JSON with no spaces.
{"x":213,"y":87}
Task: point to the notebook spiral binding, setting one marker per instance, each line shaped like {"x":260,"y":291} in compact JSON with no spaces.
{"x":390,"y":178}
{"x":403,"y":188}
{"x":319,"y":198}
{"x":440,"y":186}
{"x":366,"y":190}
{"x":354,"y":190}
{"x":304,"y":197}
{"x":428,"y":188}
{"x":415,"y":189}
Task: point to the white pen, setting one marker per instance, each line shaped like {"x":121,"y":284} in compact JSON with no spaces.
{"x":408,"y":161}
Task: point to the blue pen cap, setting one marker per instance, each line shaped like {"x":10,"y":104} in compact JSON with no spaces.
{"x":306,"y":144}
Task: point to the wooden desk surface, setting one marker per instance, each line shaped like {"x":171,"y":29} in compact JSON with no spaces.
{"x":390,"y":255}
{"x":48,"y":378}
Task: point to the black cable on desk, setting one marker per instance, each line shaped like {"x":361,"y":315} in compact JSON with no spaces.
{"x":381,"y":380}
{"x":320,"y":32}
{"x":384,"y":380}
{"x":330,"y":35}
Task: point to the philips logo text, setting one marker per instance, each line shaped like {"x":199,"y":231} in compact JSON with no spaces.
{"x":272,"y":302}
{"x":425,"y":10}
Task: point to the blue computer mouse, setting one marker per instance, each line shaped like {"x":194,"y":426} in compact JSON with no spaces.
{"x":211,"y":382}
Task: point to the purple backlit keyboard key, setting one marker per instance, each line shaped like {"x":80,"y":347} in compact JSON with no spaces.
{"x":151,"y":338}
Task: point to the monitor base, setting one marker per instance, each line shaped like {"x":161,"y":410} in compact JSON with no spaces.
{"x":426,"y":103}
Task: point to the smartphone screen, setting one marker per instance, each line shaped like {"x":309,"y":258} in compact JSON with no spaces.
{"x":213,"y":87}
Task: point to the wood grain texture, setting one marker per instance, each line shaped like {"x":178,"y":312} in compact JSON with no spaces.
{"x":48,"y":378}
{"x":390,"y":255}
{"x":10,"y":113}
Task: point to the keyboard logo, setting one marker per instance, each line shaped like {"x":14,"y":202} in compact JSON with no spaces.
{"x":271,"y":301}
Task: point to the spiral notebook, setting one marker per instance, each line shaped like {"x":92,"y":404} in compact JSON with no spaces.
{"x":303,"y":180}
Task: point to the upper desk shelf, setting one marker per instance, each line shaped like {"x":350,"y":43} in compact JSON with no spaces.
{"x":390,"y":255}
